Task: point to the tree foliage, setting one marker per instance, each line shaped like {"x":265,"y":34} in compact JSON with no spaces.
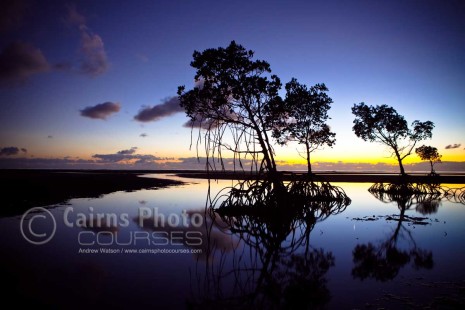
{"x":383,"y":124}
{"x":236,"y":93}
{"x":306,"y":115}
{"x":430,"y":154}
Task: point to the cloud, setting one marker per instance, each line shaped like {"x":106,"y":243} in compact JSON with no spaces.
{"x":50,"y":137}
{"x":126,"y":156}
{"x":101,"y":110}
{"x":94,"y":58}
{"x":19,"y":61}
{"x":23,"y":150}
{"x":169,"y":107}
{"x":63,"y":66}
{"x":9,"y":151}
{"x":200,"y":122}
{"x":117,"y":158}
{"x":132,"y":150}
{"x":143,"y":135}
{"x":74,"y":17}
{"x":453,"y":146}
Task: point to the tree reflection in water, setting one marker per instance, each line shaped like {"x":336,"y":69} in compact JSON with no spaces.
{"x":274,"y":265}
{"x":384,"y":260}
{"x":455,"y":195}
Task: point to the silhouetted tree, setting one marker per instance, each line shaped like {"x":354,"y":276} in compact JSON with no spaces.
{"x":383,"y":124}
{"x":306,"y":116}
{"x":430,"y":154}
{"x":237,"y":93}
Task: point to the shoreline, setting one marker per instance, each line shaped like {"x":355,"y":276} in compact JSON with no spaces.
{"x":346,"y":177}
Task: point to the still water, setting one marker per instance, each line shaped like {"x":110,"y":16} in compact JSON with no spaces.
{"x":163,"y":248}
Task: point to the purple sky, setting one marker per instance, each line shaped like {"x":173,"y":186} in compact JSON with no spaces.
{"x":91,"y":78}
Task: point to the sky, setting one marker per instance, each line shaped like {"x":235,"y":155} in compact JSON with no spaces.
{"x":92,"y":84}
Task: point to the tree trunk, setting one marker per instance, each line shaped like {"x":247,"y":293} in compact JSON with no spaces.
{"x":432,"y":168}
{"x":269,"y":149}
{"x":267,"y":154}
{"x":309,"y":165}
{"x":402,"y":171}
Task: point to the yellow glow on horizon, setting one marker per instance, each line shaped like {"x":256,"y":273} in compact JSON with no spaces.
{"x":454,"y":157}
{"x":412,"y":159}
{"x":355,"y":153}
{"x":286,"y":159}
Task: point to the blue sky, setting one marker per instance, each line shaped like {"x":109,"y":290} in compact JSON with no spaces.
{"x":134,"y":54}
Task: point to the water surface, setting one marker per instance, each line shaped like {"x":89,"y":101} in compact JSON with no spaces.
{"x":368,"y":253}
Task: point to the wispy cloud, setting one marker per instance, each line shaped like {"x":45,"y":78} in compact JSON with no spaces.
{"x":94,"y":58}
{"x":19,"y":61}
{"x":143,"y":135}
{"x":75,"y":18}
{"x":157,"y":112}
{"x":101,"y":110}
{"x":453,"y":146}
{"x":94,"y":61}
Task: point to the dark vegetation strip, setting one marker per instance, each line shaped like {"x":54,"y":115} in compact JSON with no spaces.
{"x":23,"y":189}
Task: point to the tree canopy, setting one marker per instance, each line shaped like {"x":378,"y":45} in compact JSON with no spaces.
{"x":383,"y":124}
{"x":306,"y":116}
{"x":430,"y":154}
{"x":237,"y":93}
